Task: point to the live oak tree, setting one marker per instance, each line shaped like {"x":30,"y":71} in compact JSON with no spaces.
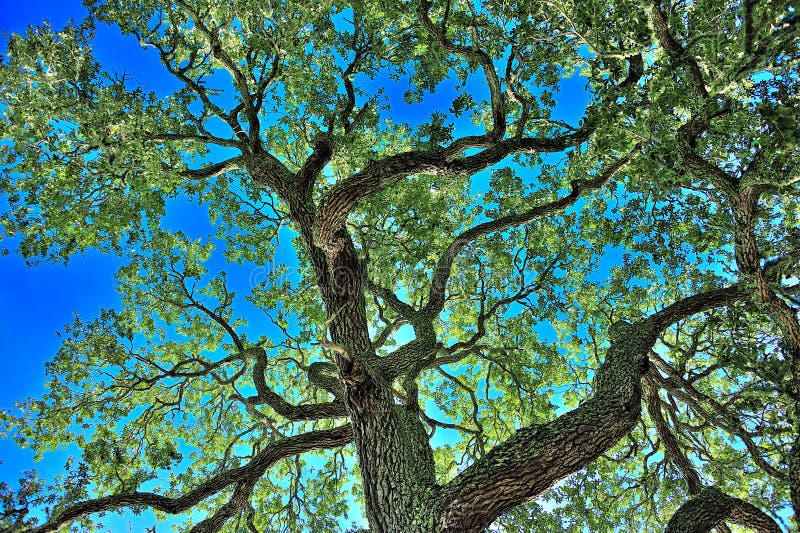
{"x":446,"y":343}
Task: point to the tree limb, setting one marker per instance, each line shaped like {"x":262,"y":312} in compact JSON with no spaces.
{"x":378,"y":175}
{"x":265,"y":395}
{"x":436,"y":293}
{"x":535,"y":457}
{"x":675,"y":50}
{"x":492,"y":80}
{"x":713,"y":507}
{"x":312,"y":440}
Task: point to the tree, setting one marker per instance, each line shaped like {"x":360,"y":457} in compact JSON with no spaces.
{"x":442,"y":340}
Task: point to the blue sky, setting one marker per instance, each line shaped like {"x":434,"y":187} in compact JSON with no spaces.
{"x":36,"y":302}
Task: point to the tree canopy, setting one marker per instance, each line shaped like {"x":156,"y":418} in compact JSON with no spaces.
{"x":486,"y":316}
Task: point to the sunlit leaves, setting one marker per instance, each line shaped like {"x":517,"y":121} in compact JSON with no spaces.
{"x":79,"y":171}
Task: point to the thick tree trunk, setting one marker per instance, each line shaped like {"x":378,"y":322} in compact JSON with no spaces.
{"x":395,"y":458}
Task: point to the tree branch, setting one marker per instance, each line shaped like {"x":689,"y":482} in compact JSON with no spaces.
{"x":239,"y":499}
{"x":675,"y":50}
{"x":219,"y":53}
{"x":265,"y":395}
{"x":212,"y":171}
{"x":436,"y":294}
{"x":312,"y":440}
{"x":378,"y":175}
{"x":687,"y":393}
{"x":713,"y":507}
{"x":492,"y":80}
{"x":671,"y":444}
{"x":537,"y":456}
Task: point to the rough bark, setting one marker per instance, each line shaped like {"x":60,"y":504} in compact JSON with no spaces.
{"x":536,"y":457}
{"x":712,"y":507}
{"x":395,"y":458}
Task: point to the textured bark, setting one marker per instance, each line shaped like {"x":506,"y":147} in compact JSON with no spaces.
{"x":395,"y":458}
{"x":712,"y":508}
{"x":794,"y":477}
{"x":536,"y":457}
{"x":748,"y":259}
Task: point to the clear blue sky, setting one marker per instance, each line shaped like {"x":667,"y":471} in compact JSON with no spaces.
{"x":36,"y":302}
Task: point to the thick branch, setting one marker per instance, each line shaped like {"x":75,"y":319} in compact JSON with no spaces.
{"x":378,"y":175}
{"x":697,"y":303}
{"x":534,"y":458}
{"x":675,"y":50}
{"x":240,"y":498}
{"x":212,"y":171}
{"x":266,"y":395}
{"x":321,"y":156}
{"x":712,"y":507}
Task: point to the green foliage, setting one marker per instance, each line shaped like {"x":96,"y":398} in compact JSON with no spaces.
{"x":167,"y":390}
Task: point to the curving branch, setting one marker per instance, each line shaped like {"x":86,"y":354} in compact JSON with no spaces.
{"x":273,"y":452}
{"x":323,"y":149}
{"x":378,"y":175}
{"x":675,"y":50}
{"x":536,"y":457}
{"x":312,"y":440}
{"x":212,"y":171}
{"x":402,"y":308}
{"x":712,"y":507}
{"x":238,"y":501}
{"x":265,"y":395}
{"x":492,"y":80}
{"x":362,"y":48}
